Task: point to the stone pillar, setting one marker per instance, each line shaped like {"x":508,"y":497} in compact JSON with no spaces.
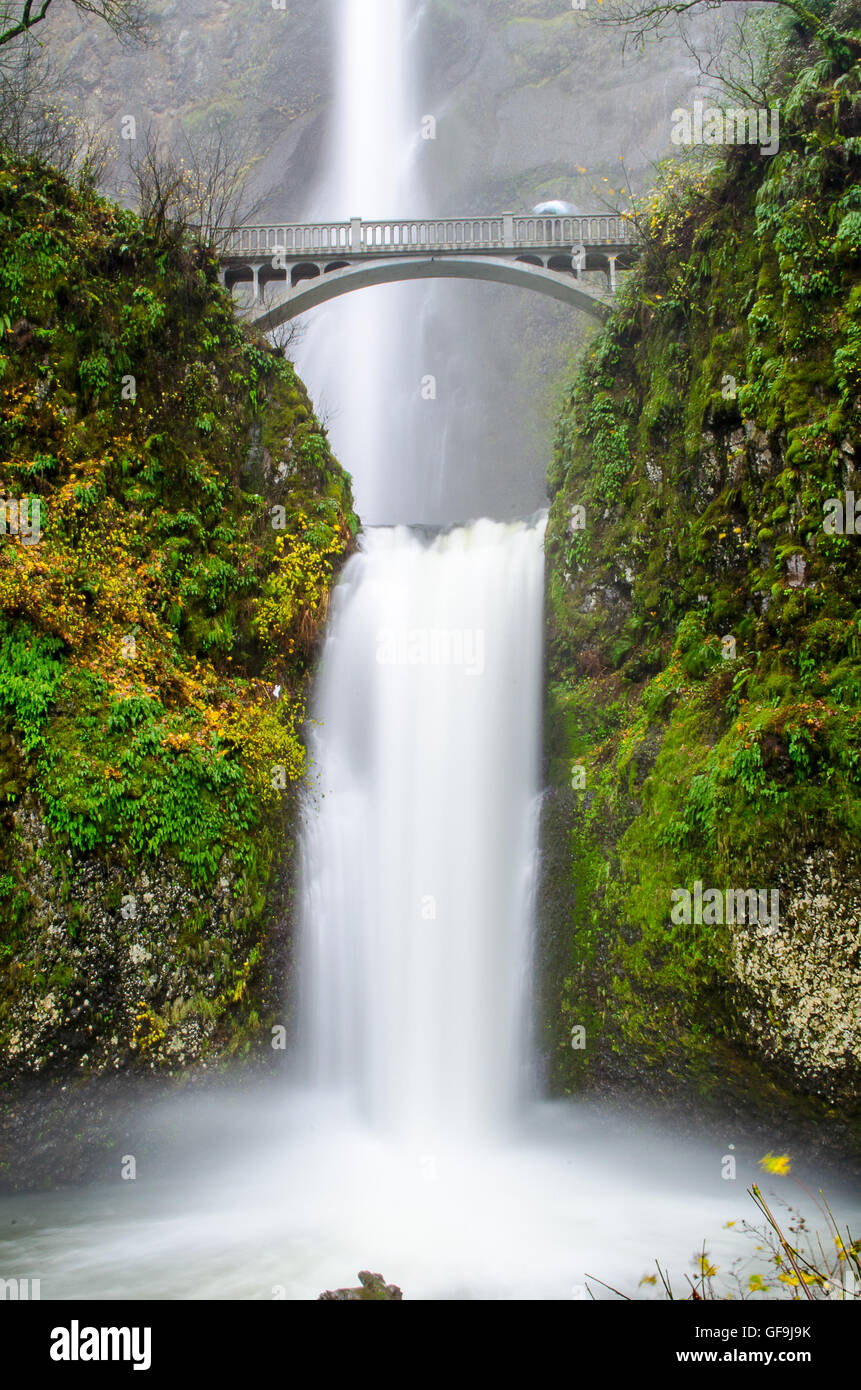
{"x":355,"y":234}
{"x":611,"y":262}
{"x":255,"y":272}
{"x":508,"y":228}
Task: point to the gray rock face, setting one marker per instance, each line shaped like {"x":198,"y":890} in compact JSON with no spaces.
{"x":121,"y":968}
{"x":802,"y":982}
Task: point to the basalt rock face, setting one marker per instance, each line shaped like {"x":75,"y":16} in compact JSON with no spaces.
{"x":704,"y":649}
{"x":799,"y":988}
{"x":135,"y":967}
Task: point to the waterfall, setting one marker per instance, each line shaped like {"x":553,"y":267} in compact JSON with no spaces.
{"x":419,"y":844}
{"x":359,"y":356}
{"x":419,"y":838}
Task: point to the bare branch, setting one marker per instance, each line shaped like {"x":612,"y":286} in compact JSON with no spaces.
{"x":195,"y":190}
{"x":646,"y":18}
{"x":739,"y":54}
{"x":36,"y":122}
{"x":217,"y":165}
{"x":163,"y":201}
{"x":127,"y":18}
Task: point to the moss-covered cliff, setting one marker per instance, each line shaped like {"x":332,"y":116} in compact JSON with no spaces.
{"x":156,"y":629}
{"x":704,"y":637}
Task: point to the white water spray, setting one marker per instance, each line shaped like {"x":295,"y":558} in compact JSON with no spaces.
{"x":359,"y":353}
{"x":419,"y":847}
{"x":418,"y":864}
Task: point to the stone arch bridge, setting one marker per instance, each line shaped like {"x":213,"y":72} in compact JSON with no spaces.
{"x":316,"y":262}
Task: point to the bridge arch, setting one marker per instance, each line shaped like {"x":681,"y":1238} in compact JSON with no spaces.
{"x":303,"y":270}
{"x":307,"y":292}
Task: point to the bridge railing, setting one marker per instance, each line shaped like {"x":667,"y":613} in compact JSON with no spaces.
{"x":427,"y":234}
{"x":435,"y":234}
{"x":597,"y":230}
{"x":296,"y":238}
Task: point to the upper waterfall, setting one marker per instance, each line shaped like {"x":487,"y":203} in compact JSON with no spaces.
{"x":360,"y":355}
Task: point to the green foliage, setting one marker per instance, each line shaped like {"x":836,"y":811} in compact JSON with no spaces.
{"x":135,"y":675}
{"x":709,"y":423}
{"x":130,"y":772}
{"x":610,"y":446}
{"x":30,"y":671}
{"x":95,"y":373}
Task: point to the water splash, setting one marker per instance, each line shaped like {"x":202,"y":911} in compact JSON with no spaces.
{"x":419,"y":844}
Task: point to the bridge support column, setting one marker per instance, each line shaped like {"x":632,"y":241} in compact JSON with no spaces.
{"x":611,"y":273}
{"x":255,"y":269}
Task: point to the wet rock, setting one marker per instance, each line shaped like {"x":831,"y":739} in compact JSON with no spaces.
{"x":801,"y":983}
{"x":372,"y":1289}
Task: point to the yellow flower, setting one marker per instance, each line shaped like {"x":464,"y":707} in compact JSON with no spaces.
{"x":775,"y":1163}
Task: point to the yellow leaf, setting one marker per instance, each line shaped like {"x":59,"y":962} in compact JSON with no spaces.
{"x":775,"y":1163}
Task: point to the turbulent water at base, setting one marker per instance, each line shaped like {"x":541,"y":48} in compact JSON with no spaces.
{"x":406,"y":1141}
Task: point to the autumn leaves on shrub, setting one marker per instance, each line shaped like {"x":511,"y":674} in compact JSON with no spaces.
{"x":192,"y":520}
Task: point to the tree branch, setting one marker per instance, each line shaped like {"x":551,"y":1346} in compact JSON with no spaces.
{"x":126,"y":18}
{"x":24,"y":23}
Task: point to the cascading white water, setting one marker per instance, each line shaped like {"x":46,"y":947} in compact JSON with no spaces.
{"x":420,"y":841}
{"x":357,"y":355}
{"x":419,"y":845}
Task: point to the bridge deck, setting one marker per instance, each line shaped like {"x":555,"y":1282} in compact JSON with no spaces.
{"x":477,"y":235}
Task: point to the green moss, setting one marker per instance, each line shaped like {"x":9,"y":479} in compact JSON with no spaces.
{"x":708,"y":685}
{"x":179,"y":467}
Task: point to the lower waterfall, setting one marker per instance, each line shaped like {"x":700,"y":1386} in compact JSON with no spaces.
{"x":420,"y":838}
